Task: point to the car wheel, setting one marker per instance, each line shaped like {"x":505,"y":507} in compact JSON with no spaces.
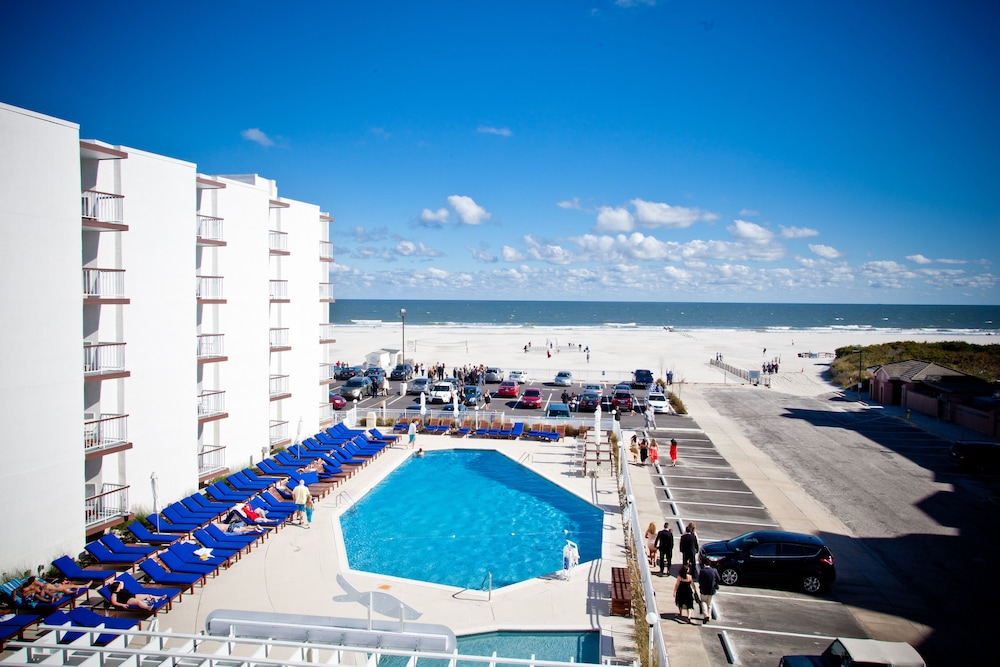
{"x":812,"y":584}
{"x":729,"y":576}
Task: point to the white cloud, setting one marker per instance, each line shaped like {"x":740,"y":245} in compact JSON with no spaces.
{"x":256,"y":135}
{"x":825,"y":251}
{"x":502,"y":131}
{"x":547,"y":252}
{"x":919,"y":259}
{"x":952,"y":261}
{"x":635,"y":3}
{"x":797,"y":232}
{"x":748,"y":213}
{"x":468,"y":210}
{"x":482,"y":254}
{"x":418,"y":249}
{"x":512,"y":254}
{"x":656,"y":214}
{"x":438,"y":218}
{"x":750,"y":231}
{"x":573,"y":203}
{"x":614,"y":220}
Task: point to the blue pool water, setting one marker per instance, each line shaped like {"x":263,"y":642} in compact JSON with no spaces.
{"x":582,"y":647}
{"x":453,"y":516}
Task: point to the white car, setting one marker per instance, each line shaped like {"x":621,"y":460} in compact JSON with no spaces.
{"x":594,"y":387}
{"x":441,"y":392}
{"x":519,"y":377}
{"x":563,"y":379}
{"x":658,"y":403}
{"x":494,"y":374}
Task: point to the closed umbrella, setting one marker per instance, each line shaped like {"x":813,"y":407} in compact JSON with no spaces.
{"x":156,"y":500}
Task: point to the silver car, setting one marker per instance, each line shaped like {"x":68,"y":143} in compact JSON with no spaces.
{"x":494,"y":375}
{"x":563,"y":379}
{"x":419,"y":386}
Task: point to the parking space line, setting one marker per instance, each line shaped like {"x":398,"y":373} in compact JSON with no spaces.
{"x":743,"y":507}
{"x":706,"y":519}
{"x":777,"y":633}
{"x":711,"y":479}
{"x":691,"y":488}
{"x":783,"y":598}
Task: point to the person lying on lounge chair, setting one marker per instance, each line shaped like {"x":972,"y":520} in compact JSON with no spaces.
{"x":246,"y":513}
{"x":43,"y":591}
{"x":240,"y":528}
{"x":122,"y":598}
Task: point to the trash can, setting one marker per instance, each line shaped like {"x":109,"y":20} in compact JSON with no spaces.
{"x":402,"y":389}
{"x":370,"y":420}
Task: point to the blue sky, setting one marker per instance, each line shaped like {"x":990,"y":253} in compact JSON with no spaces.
{"x":636,"y":150}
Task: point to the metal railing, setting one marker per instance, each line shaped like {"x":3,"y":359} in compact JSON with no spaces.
{"x":211,"y":345}
{"x":277,"y":241}
{"x":327,"y":331}
{"x":279,"y":289}
{"x":729,"y":368}
{"x":210,"y":287}
{"x":279,"y":337}
{"x":211,"y":403}
{"x":104,"y":283}
{"x":278,"y":431}
{"x":278,"y":385}
{"x":211,"y":458}
{"x":110,"y":503}
{"x":209,"y":228}
{"x":107,"y":430}
{"x":103,"y":357}
{"x":102,"y":206}
{"x":326,"y":250}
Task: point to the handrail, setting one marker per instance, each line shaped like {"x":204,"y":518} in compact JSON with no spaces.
{"x":344,"y":498}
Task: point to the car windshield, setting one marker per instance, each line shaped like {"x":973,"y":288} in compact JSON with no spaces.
{"x":532,"y":392}
{"x":354,"y":382}
{"x":469,"y":391}
{"x":743,"y":542}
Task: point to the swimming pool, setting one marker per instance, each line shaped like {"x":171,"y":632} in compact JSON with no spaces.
{"x":453,"y":516}
{"x":583,"y":647}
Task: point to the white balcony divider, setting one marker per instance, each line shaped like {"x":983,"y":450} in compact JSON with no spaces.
{"x":107,"y":430}
{"x":327,"y":372}
{"x":325,"y":412}
{"x":104,"y":283}
{"x":279,"y":385}
{"x":110,"y":503}
{"x":278,"y":431}
{"x":327,"y":331}
{"x":211,"y":345}
{"x":210,"y":459}
{"x":279,"y":337}
{"x":326,"y":291}
{"x":102,"y":206}
{"x":279,"y":289}
{"x":103,"y":357}
{"x":325,"y":250}
{"x":278,"y":240}
{"x":211,"y":402}
{"x":209,"y":228}
{"x":210,"y":287}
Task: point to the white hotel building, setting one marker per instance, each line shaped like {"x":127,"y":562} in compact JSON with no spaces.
{"x":198,"y":305}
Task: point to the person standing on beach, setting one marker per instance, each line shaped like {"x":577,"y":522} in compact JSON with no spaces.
{"x":673,"y":452}
{"x":665,"y":547}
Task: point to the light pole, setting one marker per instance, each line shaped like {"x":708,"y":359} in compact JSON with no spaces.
{"x":402,"y":315}
{"x":860,"y":357}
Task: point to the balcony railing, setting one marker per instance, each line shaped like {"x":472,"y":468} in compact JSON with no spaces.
{"x":279,"y":290}
{"x":326,"y":291}
{"x":104,"y":432}
{"x":210,"y":288}
{"x":278,"y":242}
{"x":326,"y":251}
{"x":279,"y":385}
{"x":111,"y":503}
{"x":104,"y":283}
{"x":211,"y":459}
{"x":210,"y":228}
{"x":279,"y":432}
{"x":279,"y":338}
{"x":211,"y":403}
{"x":326,"y":332}
{"x":103,"y":206}
{"x":211,"y":346}
{"x":327,"y":372}
{"x":103,"y":358}
{"x":325,"y":412}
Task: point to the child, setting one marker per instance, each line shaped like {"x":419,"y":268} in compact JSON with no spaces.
{"x":309,"y":511}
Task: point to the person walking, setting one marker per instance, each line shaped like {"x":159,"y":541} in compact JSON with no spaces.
{"x":643,"y":451}
{"x":411,"y":431}
{"x":300,"y":496}
{"x":689,"y":548}
{"x":654,"y":452}
{"x":708,"y":584}
{"x":684,"y":595}
{"x":673,"y":452}
{"x":650,"y":539}
{"x":665,"y":546}
{"x":310,"y":505}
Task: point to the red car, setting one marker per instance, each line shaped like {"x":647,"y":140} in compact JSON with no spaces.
{"x":507,"y":388}
{"x":531,"y":398}
{"x":337,"y":401}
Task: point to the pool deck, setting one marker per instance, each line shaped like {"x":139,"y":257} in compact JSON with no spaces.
{"x":295,"y":570}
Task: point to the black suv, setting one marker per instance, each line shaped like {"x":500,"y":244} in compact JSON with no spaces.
{"x":978,"y":455}
{"x":347,"y":372}
{"x":401,"y":372}
{"x":773,"y":555}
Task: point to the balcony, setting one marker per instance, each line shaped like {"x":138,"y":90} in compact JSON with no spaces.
{"x":326,"y":293}
{"x":211,"y":462}
{"x":325,"y":251}
{"x":209,"y":231}
{"x":325,"y":413}
{"x":211,"y":406}
{"x":327,"y":373}
{"x":279,"y":340}
{"x":103,"y":211}
{"x":210,"y":289}
{"x":104,"y":286}
{"x":279,"y":291}
{"x":211,"y":348}
{"x":278,"y":243}
{"x":107,"y":508}
{"x":279,"y":387}
{"x":326,"y":333}
{"x":104,"y":434}
{"x":279,"y":434}
{"x":104,"y":361}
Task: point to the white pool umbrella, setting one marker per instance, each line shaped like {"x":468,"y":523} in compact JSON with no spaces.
{"x":156,"y":500}
{"x":597,"y":422}
{"x":423,"y":404}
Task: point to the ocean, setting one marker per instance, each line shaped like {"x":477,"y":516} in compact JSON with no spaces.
{"x":610,"y":314}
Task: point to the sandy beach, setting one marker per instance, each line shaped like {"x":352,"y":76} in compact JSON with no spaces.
{"x":616,"y":352}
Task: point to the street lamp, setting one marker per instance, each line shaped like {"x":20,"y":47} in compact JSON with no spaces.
{"x":402,"y":315}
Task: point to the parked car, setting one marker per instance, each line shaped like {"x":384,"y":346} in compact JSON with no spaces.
{"x":347,"y":372}
{"x":867,"y":652}
{"x":594,"y":387}
{"x":558,"y":411}
{"x":337,"y":401}
{"x":623,"y":400}
{"x":472,"y":395}
{"x":773,"y":555}
{"x":607,"y":403}
{"x":401,"y":372}
{"x":441,"y":392}
{"x":519,"y":377}
{"x":622,"y":386}
{"x":357,"y":388}
{"x":979,"y":455}
{"x":507,"y":388}
{"x":419,"y":386}
{"x":641,"y":379}
{"x":563,"y":379}
{"x":657,"y":402}
{"x":494,"y":375}
{"x":376,"y":373}
{"x":451,"y":408}
{"x":531,"y":398}
{"x":589,"y":402}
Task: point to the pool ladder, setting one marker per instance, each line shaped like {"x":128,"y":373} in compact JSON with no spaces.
{"x":487,"y":583}
{"x":343,"y":498}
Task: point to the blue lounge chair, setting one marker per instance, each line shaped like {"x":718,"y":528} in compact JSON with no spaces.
{"x":106,"y":556}
{"x":517,"y":431}
{"x":86,"y":618}
{"x":209,"y":542}
{"x":159,"y":575}
{"x":345,"y":458}
{"x":325,"y":439}
{"x":15,"y":627}
{"x":224,"y":493}
{"x":133,"y":585}
{"x":178,"y":565}
{"x":240,"y":481}
{"x":178,"y":516}
{"x":386,"y":438}
{"x":113,"y":542}
{"x":285,"y":458}
{"x":272,"y":467}
{"x":250,"y":475}
{"x":275,"y":509}
{"x":225,"y":538}
{"x":191,"y":514}
{"x":144,"y":534}
{"x":157,"y":607}
{"x":165,"y":525}
{"x":340,"y":429}
{"x":197,"y":500}
{"x":185,"y":553}
{"x":72,"y":571}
